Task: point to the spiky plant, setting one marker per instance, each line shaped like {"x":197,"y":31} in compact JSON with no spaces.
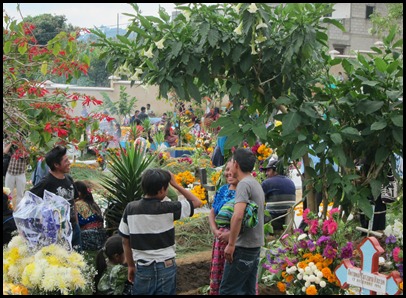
{"x":125,"y":185}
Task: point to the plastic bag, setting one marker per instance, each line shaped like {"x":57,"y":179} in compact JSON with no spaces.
{"x":44,"y":221}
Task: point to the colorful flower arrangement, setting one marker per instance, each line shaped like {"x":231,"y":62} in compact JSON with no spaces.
{"x":50,"y":270}
{"x":200,"y":192}
{"x":303,"y":263}
{"x":184,"y":178}
{"x":394,"y":247}
{"x":7,"y":192}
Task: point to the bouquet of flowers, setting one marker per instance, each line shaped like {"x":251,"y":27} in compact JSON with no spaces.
{"x":185,"y":178}
{"x":303,"y":263}
{"x":49,"y":270}
{"x":394,"y":248}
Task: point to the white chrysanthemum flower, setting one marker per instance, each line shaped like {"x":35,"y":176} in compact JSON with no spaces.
{"x":317,"y":280}
{"x":303,"y":289}
{"x":307,"y":284}
{"x":301,"y":270}
{"x":305,"y":277}
{"x":252,"y":8}
{"x":308,"y":270}
{"x":323,"y":283}
{"x":149,"y":53}
{"x":312,"y":278}
{"x":319,"y":274}
{"x":301,"y":236}
{"x":299,"y":276}
{"x":160,"y":44}
{"x":238,"y":30}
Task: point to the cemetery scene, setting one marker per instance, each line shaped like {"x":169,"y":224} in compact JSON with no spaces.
{"x":216,"y":149}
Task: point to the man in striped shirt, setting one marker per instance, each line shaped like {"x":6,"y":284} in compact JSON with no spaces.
{"x":148,"y":232}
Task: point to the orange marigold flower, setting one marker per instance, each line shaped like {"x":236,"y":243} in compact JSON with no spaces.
{"x":311,"y":290}
{"x":281,"y":286}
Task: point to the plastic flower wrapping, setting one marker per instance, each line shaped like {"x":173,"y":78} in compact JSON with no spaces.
{"x":40,"y":259}
{"x":303,"y":262}
{"x":42,"y":222}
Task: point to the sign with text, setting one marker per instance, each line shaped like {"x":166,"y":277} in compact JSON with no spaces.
{"x":366,"y":280}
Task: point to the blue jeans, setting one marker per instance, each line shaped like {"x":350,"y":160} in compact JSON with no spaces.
{"x":240,"y":277}
{"x":155,"y":279}
{"x":76,"y":237}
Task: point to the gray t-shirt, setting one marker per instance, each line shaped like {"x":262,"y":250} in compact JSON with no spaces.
{"x":250,"y":189}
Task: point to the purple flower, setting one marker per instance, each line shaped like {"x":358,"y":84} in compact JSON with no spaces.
{"x":390,"y":239}
{"x":329,"y":252}
{"x":310,"y":245}
{"x":322,"y":239}
{"x":346,"y":251}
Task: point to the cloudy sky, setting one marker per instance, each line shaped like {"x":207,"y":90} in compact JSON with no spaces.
{"x":87,"y":15}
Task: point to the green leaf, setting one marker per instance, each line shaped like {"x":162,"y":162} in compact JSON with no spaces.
{"x":365,"y":205}
{"x":392,"y":66}
{"x":398,"y":135}
{"x":370,"y":83}
{"x":375,"y":187}
{"x":380,"y":64}
{"x":213,"y":38}
{"x":22,"y":48}
{"x":245,"y":63}
{"x":233,"y":140}
{"x":44,"y":68}
{"x":335,"y":23}
{"x":260,"y":131}
{"x":381,"y":154}
{"x":176,"y":47}
{"x":379,"y":125}
{"x":350,"y":131}
{"x":397,"y":120}
{"x":399,"y":43}
{"x":290,"y":122}
{"x":299,"y":150}
{"x":336,"y":138}
{"x":368,"y":106}
{"x":391,"y":35}
{"x":7,"y":47}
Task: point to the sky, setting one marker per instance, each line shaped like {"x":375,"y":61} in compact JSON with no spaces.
{"x":88,"y":15}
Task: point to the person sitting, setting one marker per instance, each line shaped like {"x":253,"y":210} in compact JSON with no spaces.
{"x":90,"y":218}
{"x":170,"y":137}
{"x":280,"y":192}
{"x":111,"y":278}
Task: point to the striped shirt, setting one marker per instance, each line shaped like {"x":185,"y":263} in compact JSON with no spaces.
{"x":148,"y":223}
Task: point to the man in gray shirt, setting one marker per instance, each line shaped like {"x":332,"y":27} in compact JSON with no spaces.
{"x":242,"y":251}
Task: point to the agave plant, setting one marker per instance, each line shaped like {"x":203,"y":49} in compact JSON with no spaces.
{"x":125,"y":185}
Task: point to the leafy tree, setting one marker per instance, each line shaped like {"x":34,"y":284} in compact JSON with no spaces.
{"x":273,"y":61}
{"x":122,"y":107}
{"x":382,"y":24}
{"x":48,"y":26}
{"x":33,"y":118}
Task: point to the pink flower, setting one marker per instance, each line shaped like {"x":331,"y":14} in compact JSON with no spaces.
{"x":313,"y":226}
{"x":397,"y":254}
{"x":329,"y":227}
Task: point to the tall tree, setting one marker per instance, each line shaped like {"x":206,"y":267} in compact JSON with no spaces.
{"x":274,"y":61}
{"x":47,"y":26}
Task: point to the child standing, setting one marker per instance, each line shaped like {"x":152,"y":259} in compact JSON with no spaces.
{"x":148,"y":232}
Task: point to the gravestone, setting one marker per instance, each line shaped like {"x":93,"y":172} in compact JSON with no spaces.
{"x":367,"y":278}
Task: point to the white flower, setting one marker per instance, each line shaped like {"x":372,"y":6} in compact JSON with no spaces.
{"x":303,"y":289}
{"x":323,"y":283}
{"x":237,"y":8}
{"x":238,"y":30}
{"x":149,"y":53}
{"x":6,"y":190}
{"x":136,"y":75}
{"x":317,"y":280}
{"x":252,"y":8}
{"x":312,"y":278}
{"x":261,"y":25}
{"x":300,"y":276}
{"x":381,"y":260}
{"x":253,"y":51}
{"x":160,"y":44}
{"x":301,"y":236}
{"x":187,"y":14}
{"x":307,"y":284}
{"x":260,"y":39}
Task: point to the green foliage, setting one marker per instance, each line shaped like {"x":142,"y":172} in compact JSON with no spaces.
{"x":381,"y":24}
{"x":47,"y":26}
{"x":125,"y":185}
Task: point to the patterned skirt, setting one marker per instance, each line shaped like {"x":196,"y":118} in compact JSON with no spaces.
{"x":217,"y":265}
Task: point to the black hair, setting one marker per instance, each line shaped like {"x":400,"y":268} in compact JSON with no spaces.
{"x":112,"y":247}
{"x":83,"y":188}
{"x":245,"y":159}
{"x":153,"y":180}
{"x":143,"y":109}
{"x":55,"y":156}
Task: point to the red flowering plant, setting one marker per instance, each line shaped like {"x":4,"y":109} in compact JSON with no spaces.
{"x":303,"y":262}
{"x":35,"y":118}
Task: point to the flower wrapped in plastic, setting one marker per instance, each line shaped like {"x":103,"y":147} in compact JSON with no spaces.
{"x":44,"y":221}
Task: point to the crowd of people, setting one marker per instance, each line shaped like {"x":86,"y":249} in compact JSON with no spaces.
{"x":143,"y":248}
